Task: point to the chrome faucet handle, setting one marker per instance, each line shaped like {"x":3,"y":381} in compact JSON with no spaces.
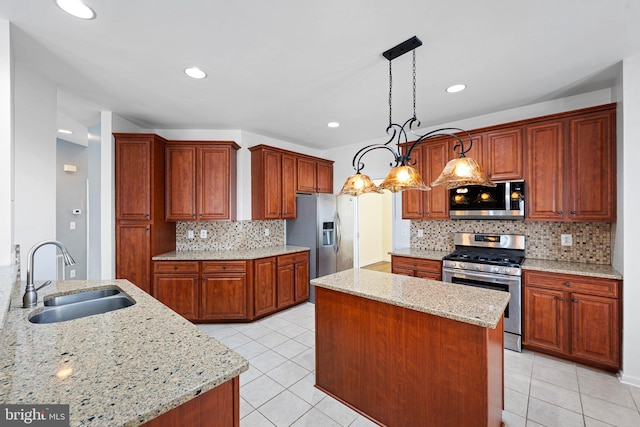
{"x":30,"y":297}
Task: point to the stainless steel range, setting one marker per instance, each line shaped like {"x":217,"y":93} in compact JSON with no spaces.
{"x":491,"y":261}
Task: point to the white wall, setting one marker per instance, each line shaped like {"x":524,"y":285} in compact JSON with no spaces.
{"x":6,"y":144}
{"x":35,"y":175}
{"x":631,"y":205}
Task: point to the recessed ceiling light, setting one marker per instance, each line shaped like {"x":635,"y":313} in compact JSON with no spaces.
{"x":456,"y":88}
{"x":333,"y":124}
{"x":76,"y":8}
{"x":65,"y":131}
{"x":195,"y":73}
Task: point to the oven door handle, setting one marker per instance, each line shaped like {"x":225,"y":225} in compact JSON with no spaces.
{"x":504,"y":280}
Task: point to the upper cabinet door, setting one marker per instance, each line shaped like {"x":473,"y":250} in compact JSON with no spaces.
{"x":133,"y":178}
{"x":289,"y":179}
{"x":181,"y":183}
{"x":306,"y":175}
{"x":324,"y":177}
{"x":592,"y":168}
{"x":436,"y":157}
{"x":213,"y":184}
{"x":503,"y":154}
{"x":413,"y":201}
{"x":272,"y":197}
{"x":545,"y":171}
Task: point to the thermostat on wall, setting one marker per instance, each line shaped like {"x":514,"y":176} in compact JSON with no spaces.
{"x":77,"y":211}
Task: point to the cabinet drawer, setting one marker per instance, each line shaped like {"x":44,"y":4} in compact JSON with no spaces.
{"x":224,"y":266}
{"x":425,"y":265}
{"x":571,"y":283}
{"x":293,"y":258}
{"x":175,"y":267}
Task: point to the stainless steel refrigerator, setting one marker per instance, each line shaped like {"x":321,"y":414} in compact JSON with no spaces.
{"x":325,"y":224}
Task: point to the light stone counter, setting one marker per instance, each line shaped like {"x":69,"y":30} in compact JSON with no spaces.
{"x":245,"y":254}
{"x":7,"y":281}
{"x":477,"y":306}
{"x":578,"y":268}
{"x":120,"y":368}
{"x":420,"y":253}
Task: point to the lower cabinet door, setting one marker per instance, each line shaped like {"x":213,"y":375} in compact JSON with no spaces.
{"x":286,"y":285}
{"x":224,"y":297}
{"x":302,"y":281}
{"x":544,"y":324}
{"x":595,"y":333}
{"x":264,"y":286}
{"x":133,"y":254}
{"x":179,"y":293}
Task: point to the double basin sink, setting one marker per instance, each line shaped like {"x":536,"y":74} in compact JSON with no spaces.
{"x":81,"y":304}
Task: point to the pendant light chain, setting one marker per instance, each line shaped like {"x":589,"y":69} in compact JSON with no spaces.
{"x":414,"y":83}
{"x":390,"y":85}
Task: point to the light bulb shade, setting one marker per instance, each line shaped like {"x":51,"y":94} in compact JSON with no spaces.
{"x":358,"y":184}
{"x":403,"y":178}
{"x":462,"y":171}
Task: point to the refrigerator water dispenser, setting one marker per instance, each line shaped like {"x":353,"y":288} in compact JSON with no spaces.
{"x":327,"y":233}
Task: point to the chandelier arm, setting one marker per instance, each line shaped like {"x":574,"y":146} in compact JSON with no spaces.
{"x":441,"y":132}
{"x":358,"y":165}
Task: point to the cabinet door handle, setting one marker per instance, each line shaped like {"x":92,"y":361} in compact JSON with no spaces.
{"x":574,"y":212}
{"x":575,"y":300}
{"x":567,"y":284}
{"x":560,"y":298}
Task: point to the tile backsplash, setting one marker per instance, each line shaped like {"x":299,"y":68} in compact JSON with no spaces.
{"x":229,"y":236}
{"x":591,"y":240}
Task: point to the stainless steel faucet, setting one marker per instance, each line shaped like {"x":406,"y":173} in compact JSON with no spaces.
{"x":30,"y":297}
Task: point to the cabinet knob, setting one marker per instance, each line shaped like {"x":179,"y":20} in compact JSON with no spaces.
{"x":427,"y":213}
{"x":574,"y":212}
{"x":175,"y":267}
{"x":489,"y":174}
{"x":147,"y":215}
{"x":200,"y":213}
{"x":575,"y":300}
{"x":147,"y":228}
{"x":294,"y":258}
{"x":193,"y":214}
{"x":559,"y":298}
{"x":567,"y":284}
{"x":419,"y":213}
{"x":415,"y":265}
{"x":560,"y":212}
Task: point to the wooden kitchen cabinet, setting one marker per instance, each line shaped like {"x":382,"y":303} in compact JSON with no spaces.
{"x":571,"y":167}
{"x":276,"y":176}
{"x":429,"y":158}
{"x":502,"y":154}
{"x":273,"y":183}
{"x":265,"y":286}
{"x":224,"y":290}
{"x":293,"y":279}
{"x":177,"y":286}
{"x":141,"y":231}
{"x":416,"y":267}
{"x":575,"y":317}
{"x":314,"y":175}
{"x":201,"y":180}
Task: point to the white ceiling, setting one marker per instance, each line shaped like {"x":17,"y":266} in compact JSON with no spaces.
{"x":284,"y":68}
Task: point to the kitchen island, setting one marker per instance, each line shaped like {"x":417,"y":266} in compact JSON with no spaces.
{"x":405,"y":351}
{"x":136,"y":365}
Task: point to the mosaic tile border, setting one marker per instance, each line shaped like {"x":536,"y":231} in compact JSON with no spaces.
{"x":591,"y":241}
{"x":229,"y":235}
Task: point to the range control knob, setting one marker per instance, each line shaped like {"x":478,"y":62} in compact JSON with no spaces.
{"x":507,"y":270}
{"x":478,"y":267}
{"x":463,"y":265}
{"x":496,"y":269}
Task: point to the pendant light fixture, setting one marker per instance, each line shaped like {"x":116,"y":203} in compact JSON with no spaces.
{"x":403,"y":176}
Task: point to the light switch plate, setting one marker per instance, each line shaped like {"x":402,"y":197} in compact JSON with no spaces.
{"x":266,"y":231}
{"x":203,"y":234}
{"x":566,"y":239}
{"x":72,"y":225}
{"x":189,"y":234}
{"x":420,"y":233}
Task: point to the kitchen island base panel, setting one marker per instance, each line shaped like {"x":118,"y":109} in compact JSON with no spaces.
{"x":218,"y":407}
{"x":401,"y":367}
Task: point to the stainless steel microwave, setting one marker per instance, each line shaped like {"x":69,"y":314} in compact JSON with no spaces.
{"x":504,"y":201}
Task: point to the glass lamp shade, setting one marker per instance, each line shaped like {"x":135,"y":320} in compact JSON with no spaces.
{"x":462,"y":171}
{"x":358,"y":184}
{"x":403,"y":178}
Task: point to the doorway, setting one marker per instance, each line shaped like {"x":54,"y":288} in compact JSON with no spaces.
{"x":375,"y":230}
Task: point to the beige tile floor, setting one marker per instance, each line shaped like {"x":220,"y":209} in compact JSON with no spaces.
{"x":278,"y":388}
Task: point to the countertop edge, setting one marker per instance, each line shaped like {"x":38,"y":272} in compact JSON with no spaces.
{"x":226,"y":255}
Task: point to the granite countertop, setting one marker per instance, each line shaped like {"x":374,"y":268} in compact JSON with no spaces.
{"x":477,"y":306}
{"x":577,"y":268}
{"x":120,"y":368}
{"x":243,"y":254}
{"x":7,"y":281}
{"x":420,"y":253}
